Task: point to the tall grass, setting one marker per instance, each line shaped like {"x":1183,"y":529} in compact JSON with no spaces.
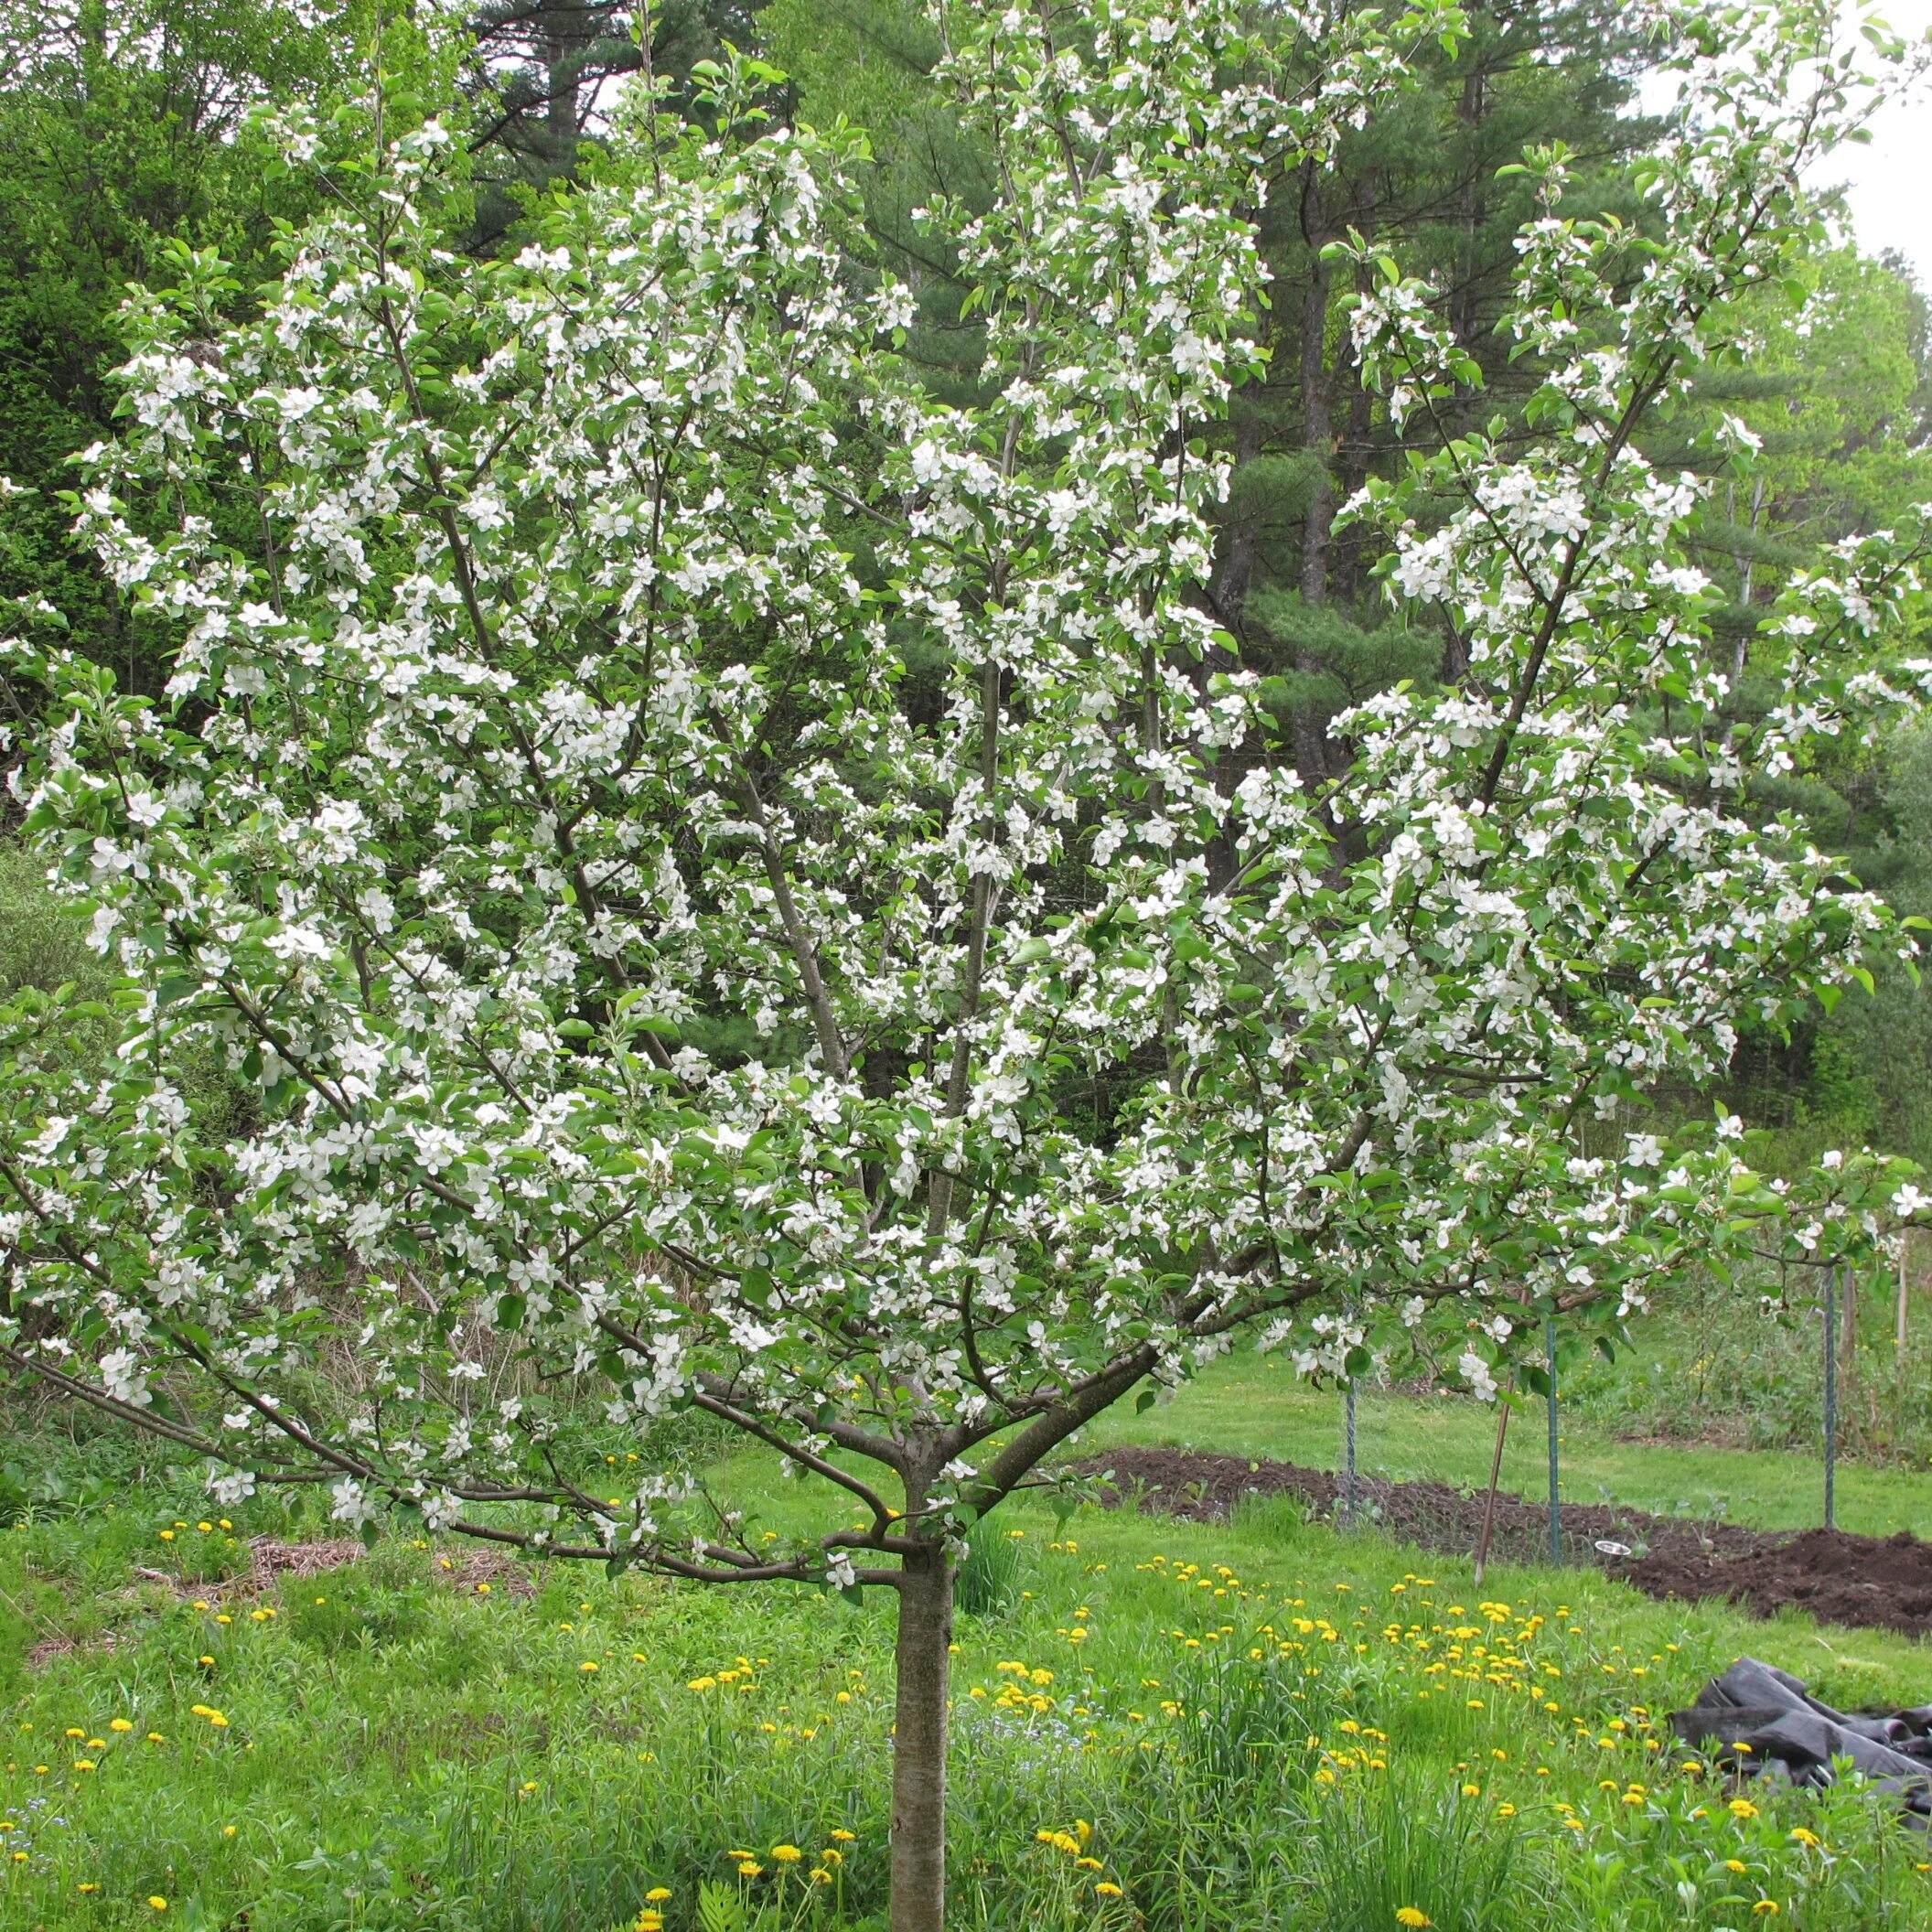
{"x":1302,"y":1744}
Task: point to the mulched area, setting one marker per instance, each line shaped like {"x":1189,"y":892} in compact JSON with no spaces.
{"x":273,"y":1561}
{"x":270,"y":1560}
{"x":1880,"y":1582}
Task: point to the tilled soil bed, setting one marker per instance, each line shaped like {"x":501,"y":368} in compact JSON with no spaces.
{"x":1883,"y":1581}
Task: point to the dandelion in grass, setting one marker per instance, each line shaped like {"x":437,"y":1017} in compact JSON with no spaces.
{"x":786,"y":1854}
{"x":1411,"y":1916}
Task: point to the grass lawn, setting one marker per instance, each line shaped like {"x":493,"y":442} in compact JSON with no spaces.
{"x":1224,"y":1728}
{"x":1254,"y":1405}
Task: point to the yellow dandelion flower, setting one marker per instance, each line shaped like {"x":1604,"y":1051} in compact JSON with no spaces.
{"x":786,"y":1854}
{"x":1411,"y":1917}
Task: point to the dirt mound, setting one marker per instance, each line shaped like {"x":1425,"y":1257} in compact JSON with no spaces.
{"x":1885,"y":1582}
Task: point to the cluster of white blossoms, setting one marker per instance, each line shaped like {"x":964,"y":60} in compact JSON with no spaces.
{"x":723,"y":880}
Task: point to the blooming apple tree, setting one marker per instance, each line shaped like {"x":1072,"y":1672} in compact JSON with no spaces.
{"x":731,"y":883}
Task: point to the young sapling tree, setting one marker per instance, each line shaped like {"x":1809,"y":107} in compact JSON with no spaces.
{"x":733,"y":883}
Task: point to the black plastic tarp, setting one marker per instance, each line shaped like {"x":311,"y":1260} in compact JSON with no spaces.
{"x":1758,"y":1719}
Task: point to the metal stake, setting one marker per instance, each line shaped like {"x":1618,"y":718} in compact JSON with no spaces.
{"x":1556,"y":1507}
{"x":1348,"y":1455}
{"x":1831,"y":1397}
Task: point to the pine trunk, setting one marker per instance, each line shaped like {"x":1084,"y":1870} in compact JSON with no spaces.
{"x":918,"y":1748}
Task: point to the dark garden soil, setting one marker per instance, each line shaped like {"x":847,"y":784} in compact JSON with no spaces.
{"x":1884,"y":1581}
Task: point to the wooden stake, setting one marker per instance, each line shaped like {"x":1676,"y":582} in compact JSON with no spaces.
{"x":1496,"y":1476}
